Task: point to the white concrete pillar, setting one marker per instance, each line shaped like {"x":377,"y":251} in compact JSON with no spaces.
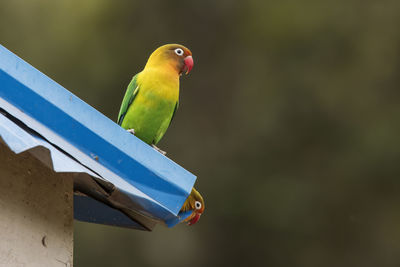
{"x":36,"y":212}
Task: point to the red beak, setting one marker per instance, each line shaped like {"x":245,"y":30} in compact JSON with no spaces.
{"x":188,"y":64}
{"x":194,"y":219}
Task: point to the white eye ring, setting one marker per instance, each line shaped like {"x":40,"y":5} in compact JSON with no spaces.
{"x":197,"y":205}
{"x":179,"y":52}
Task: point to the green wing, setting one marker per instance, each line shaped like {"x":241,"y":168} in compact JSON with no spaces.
{"x":131,"y":92}
{"x":162,"y":131}
{"x":173,"y":114}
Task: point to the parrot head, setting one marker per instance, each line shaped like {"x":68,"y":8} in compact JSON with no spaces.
{"x":172,"y":56}
{"x":195,"y":203}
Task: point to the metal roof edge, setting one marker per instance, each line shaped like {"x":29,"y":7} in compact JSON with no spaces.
{"x":95,"y":140}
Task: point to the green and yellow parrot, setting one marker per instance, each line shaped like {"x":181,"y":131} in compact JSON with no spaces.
{"x":152,"y":97}
{"x":150,"y":103}
{"x":195,"y":203}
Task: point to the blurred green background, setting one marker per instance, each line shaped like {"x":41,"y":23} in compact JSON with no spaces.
{"x":290,"y":120}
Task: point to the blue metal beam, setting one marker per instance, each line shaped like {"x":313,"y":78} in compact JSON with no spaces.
{"x":89,"y":210}
{"x":93,"y":139}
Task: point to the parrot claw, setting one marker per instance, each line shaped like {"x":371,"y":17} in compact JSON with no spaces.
{"x":132,"y":131}
{"x":159,"y":150}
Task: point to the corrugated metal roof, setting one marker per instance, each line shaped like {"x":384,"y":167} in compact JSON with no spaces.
{"x":111,"y":165}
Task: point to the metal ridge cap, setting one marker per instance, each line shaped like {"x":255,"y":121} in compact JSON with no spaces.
{"x":57,"y":108}
{"x":88,"y":116}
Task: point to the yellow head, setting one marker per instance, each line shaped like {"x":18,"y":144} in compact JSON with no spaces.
{"x":171,"y":56}
{"x":194,"y":203}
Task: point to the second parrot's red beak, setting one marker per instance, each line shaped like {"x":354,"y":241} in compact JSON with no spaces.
{"x":188,"y":64}
{"x":194,"y":219}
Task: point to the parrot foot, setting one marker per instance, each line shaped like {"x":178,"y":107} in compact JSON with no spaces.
{"x":159,"y":150}
{"x":132,"y":131}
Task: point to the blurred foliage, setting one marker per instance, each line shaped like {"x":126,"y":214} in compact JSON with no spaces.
{"x":289,"y":119}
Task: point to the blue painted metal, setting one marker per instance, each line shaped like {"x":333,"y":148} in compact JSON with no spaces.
{"x":19,"y":140}
{"x":89,"y":210}
{"x":92,"y":139}
{"x":181,"y":217}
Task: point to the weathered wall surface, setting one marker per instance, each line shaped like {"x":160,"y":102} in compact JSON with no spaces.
{"x":36,"y":214}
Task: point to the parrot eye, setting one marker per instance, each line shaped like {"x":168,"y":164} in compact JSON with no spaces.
{"x":197,"y":205}
{"x":179,"y":52}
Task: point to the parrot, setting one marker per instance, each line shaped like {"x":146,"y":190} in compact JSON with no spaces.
{"x":150,"y":103}
{"x":195,"y":203}
{"x":152,"y":96}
